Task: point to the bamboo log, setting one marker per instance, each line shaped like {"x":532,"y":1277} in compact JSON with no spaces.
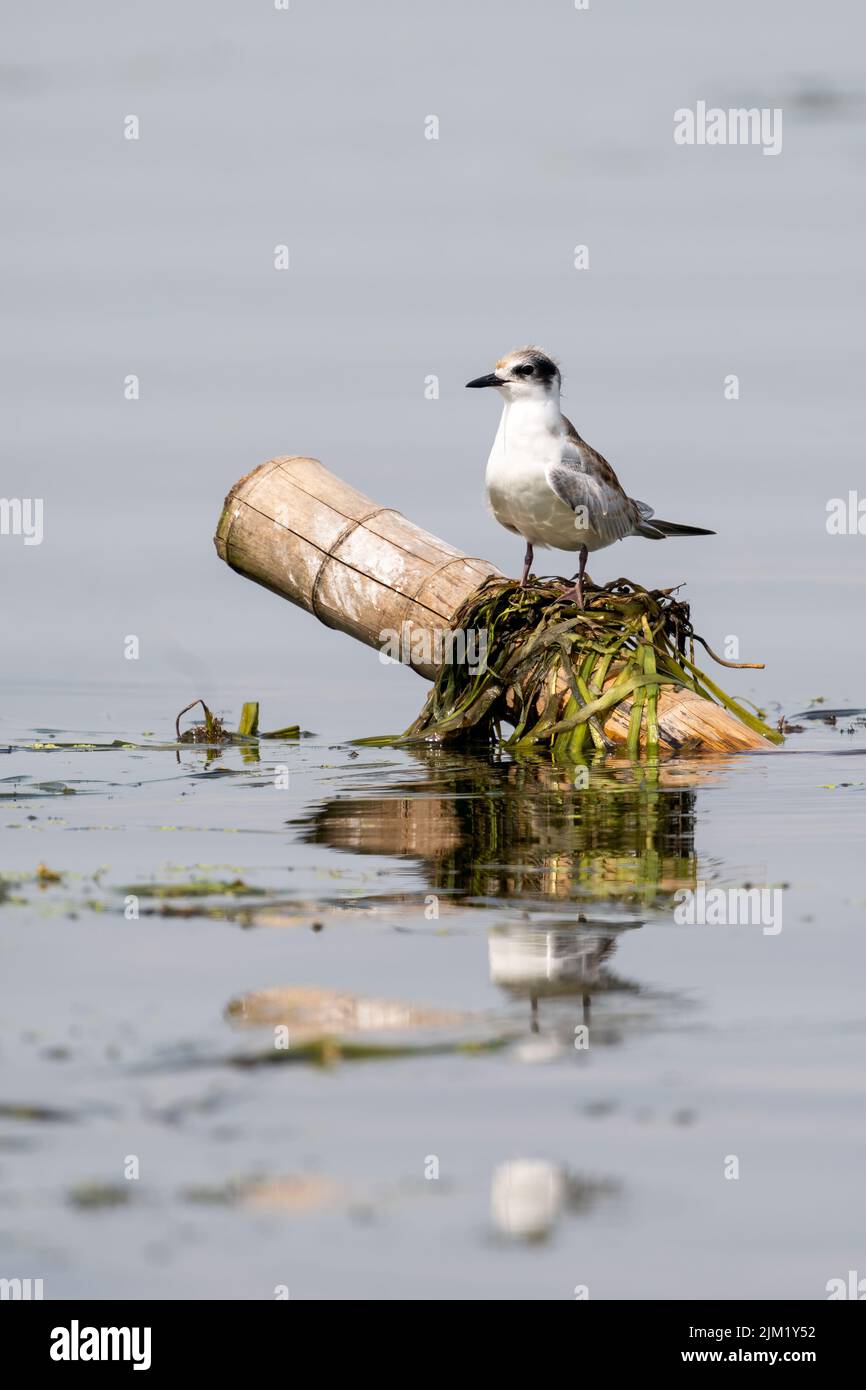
{"x":296,"y":528}
{"x":300,"y":531}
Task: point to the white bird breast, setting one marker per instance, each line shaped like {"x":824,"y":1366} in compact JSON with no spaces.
{"x":522,"y":499}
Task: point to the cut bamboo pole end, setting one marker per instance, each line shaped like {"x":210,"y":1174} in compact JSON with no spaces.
{"x":362,"y":568}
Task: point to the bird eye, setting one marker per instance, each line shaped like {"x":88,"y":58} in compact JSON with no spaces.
{"x":525,"y":370}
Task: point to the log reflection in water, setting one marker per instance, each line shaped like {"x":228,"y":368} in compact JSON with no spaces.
{"x":487,"y":829}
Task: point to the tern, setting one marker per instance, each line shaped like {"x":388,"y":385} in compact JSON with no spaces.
{"x":548,"y":485}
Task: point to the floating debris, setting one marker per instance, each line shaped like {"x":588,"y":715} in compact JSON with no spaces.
{"x":44,"y":1114}
{"x":326,"y":1025}
{"x":198,"y":888}
{"x":212,"y":730}
{"x":99,"y":1196}
{"x":310,"y":1012}
{"x":786,"y":727}
{"x":526,"y":1198}
{"x":292,"y":1193}
{"x":557,"y":672}
{"x":83,"y":746}
{"x":249,"y":721}
{"x":20,"y":792}
{"x":830,"y":716}
{"x":529,"y":1195}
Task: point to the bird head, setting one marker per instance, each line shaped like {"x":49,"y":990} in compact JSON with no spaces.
{"x":525,"y":374}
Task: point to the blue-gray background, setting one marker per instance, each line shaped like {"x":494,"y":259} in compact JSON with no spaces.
{"x":412,"y":257}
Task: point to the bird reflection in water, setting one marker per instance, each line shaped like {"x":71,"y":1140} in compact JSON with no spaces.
{"x":603,"y":853}
{"x":537,"y":960}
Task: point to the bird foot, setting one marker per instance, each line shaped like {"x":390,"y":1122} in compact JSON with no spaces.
{"x":574,"y":594}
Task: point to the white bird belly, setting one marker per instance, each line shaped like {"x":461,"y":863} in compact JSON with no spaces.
{"x":522,"y":500}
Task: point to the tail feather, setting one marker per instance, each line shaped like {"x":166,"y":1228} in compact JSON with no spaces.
{"x":657,"y":530}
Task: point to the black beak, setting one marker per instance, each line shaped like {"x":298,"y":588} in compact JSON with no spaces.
{"x":491,"y":380}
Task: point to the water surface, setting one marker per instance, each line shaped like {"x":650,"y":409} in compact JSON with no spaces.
{"x":479,"y":914}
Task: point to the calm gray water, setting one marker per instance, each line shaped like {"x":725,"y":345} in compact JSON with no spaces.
{"x":411,"y":257}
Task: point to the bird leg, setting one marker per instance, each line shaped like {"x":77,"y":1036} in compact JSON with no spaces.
{"x":527,"y":562}
{"x":581,"y":571}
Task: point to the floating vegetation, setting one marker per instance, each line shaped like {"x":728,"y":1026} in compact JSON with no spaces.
{"x":44,"y":1114}
{"x":249,"y":721}
{"x":20,"y":792}
{"x":197,"y":888}
{"x":99,"y":1196}
{"x":212,"y":729}
{"x":830,"y":716}
{"x":273,"y":912}
{"x":557,"y":673}
{"x":81,"y":746}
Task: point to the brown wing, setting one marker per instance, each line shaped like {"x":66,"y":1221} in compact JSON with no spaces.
{"x":622,"y":513}
{"x":593,"y":461}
